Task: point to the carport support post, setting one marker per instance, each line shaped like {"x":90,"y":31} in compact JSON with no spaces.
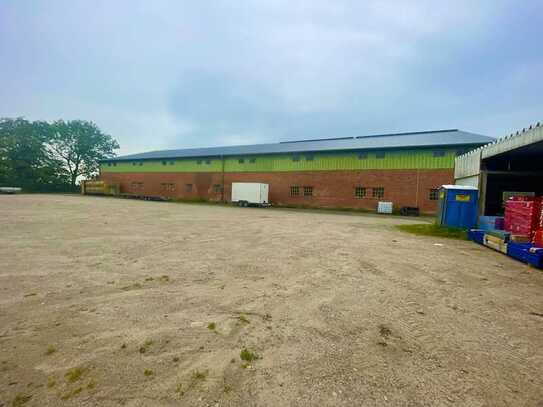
{"x":482,"y":191}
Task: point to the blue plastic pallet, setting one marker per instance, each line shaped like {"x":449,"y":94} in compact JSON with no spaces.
{"x":522,"y":252}
{"x":476,"y":235}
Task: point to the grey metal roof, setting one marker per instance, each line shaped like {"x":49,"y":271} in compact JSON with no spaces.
{"x":419,"y":139}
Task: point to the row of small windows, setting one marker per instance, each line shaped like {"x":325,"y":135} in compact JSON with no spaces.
{"x":359,"y":192}
{"x":295,"y":158}
{"x":295,"y":190}
{"x":363,"y":192}
{"x":170,"y":187}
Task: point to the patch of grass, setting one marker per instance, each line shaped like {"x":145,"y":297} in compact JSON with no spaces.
{"x":146,"y":345}
{"x":432,"y":229}
{"x":50,"y":350}
{"x":73,"y":375}
{"x":149,"y":279}
{"x":179,"y":389}
{"x":227,"y":388}
{"x":248,"y":356}
{"x":164,"y":278}
{"x":135,"y":286}
{"x":91,"y":385}
{"x":243,"y":319}
{"x":198,"y":375}
{"x":148,"y":372}
{"x":71,"y":394}
{"x":176,"y":359}
{"x":30,"y":294}
{"x":51,"y":383}
{"x":20,"y":400}
{"x":211,"y":326}
{"x":384,"y":331}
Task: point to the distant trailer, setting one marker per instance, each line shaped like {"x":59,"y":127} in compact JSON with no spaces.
{"x":10,"y":190}
{"x":250,"y":194}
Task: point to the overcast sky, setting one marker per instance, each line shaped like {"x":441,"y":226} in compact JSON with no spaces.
{"x":172,"y":74}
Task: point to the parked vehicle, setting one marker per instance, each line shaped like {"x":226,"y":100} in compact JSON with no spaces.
{"x":250,"y":194}
{"x":9,"y":190}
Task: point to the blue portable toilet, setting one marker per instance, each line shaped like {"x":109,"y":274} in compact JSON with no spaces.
{"x":457,"y":206}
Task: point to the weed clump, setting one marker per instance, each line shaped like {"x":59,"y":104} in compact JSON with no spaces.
{"x":50,"y":350}
{"x":243,"y":319}
{"x":20,"y":400}
{"x":73,"y":375}
{"x":146,"y":345}
{"x":197,"y":375}
{"x":211,"y":326}
{"x":148,"y":372}
{"x":248,"y":356}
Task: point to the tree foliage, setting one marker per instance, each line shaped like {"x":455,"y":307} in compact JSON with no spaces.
{"x":41,"y":156}
{"x":80,"y":145}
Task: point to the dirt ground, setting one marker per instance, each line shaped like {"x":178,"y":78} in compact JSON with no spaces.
{"x":108,"y":302}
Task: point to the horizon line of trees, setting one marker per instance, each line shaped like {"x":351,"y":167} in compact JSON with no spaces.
{"x":43,"y":156}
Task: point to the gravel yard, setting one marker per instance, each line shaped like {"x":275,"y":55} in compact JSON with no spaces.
{"x":116,"y":302}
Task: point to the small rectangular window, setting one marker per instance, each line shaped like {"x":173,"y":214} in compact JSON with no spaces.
{"x":308,"y":191}
{"x":296,"y":158}
{"x":217,"y":188}
{"x":360,"y":192}
{"x":252,"y":160}
{"x":241,"y":160}
{"x":309,"y":157}
{"x":168,"y":187}
{"x":380,"y":154}
{"x":362,"y":156}
{"x":433,"y":195}
{"x":438,"y":153}
{"x":188,"y":188}
{"x":378,"y":192}
{"x":294,"y":190}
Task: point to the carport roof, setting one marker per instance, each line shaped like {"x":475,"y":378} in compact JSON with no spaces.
{"x":420,"y":139}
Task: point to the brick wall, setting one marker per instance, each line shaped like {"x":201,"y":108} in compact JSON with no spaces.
{"x":330,"y":188}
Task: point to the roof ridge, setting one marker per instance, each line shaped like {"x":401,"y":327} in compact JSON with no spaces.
{"x":409,"y":133}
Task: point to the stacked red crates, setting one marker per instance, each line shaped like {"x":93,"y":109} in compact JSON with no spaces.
{"x":523,"y":215}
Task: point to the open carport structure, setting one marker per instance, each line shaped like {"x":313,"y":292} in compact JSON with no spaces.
{"x":511,"y":164}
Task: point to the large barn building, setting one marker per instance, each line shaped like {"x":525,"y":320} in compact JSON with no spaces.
{"x":353,"y":172}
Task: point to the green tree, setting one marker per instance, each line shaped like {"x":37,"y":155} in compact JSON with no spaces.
{"x":24,"y":159}
{"x":80,"y":145}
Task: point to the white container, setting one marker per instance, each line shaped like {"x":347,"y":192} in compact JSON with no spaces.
{"x":9,"y":190}
{"x":250,"y":193}
{"x":384,"y":207}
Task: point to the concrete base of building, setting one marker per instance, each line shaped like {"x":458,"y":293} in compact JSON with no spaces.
{"x":330,"y":189}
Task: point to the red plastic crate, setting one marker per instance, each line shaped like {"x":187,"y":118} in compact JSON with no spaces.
{"x":523,"y":215}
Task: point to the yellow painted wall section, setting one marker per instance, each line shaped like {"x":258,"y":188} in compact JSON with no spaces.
{"x":392,"y":160}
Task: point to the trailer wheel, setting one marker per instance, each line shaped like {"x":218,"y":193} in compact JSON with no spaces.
{"x":245,"y":204}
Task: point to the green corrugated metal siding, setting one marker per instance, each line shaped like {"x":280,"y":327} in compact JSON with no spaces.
{"x":393,"y":160}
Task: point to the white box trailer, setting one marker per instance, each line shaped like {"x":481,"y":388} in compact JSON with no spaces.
{"x":250,"y":194}
{"x":9,"y":190}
